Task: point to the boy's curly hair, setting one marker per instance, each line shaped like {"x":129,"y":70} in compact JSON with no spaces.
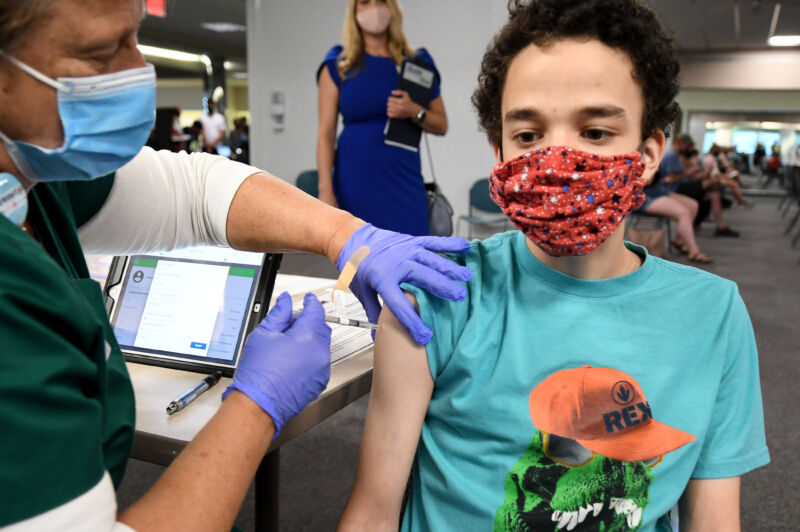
{"x":626,"y":25}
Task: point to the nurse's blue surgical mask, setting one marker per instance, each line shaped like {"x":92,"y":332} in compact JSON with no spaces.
{"x":106,"y":119}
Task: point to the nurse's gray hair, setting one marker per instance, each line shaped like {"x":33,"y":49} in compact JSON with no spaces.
{"x":17,"y":17}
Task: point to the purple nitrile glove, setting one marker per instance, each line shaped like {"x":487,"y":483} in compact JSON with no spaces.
{"x":285,"y":363}
{"x":396,"y":258}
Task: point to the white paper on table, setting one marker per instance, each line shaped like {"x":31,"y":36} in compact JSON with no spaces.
{"x":98,"y":267}
{"x":346,"y":342}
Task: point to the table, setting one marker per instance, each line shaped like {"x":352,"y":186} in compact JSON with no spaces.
{"x":159,"y":437}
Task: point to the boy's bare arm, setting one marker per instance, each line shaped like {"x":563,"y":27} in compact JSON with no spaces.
{"x":710,"y":505}
{"x":401,"y":390}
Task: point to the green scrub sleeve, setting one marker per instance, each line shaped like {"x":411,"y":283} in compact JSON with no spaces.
{"x":52,"y":394}
{"x":88,"y":197}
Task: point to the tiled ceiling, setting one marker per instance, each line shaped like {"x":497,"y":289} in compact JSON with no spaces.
{"x":182,"y":29}
{"x":712,"y":24}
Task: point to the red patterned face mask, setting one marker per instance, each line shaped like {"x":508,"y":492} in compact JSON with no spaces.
{"x":568,"y":201}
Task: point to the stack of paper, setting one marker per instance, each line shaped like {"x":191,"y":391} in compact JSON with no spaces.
{"x":346,"y":342}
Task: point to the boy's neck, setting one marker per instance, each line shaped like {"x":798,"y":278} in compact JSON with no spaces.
{"x":612,"y":259}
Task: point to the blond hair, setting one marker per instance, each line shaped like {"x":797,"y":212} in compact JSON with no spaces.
{"x":353,"y":53}
{"x":17,"y":17}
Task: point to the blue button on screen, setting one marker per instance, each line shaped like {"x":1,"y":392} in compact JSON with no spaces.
{"x":198,"y":345}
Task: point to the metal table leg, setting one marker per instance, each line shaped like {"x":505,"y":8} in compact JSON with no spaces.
{"x":267,"y":492}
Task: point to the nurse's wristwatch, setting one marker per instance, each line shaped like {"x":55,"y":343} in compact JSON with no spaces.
{"x":420,"y":118}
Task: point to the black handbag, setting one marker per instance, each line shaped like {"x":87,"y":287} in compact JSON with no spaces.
{"x":440,"y":212}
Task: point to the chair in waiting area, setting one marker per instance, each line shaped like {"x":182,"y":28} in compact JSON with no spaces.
{"x":308,"y":182}
{"x":793,"y":178}
{"x":768,"y":175}
{"x":790,"y":192}
{"x":786,"y":199}
{"x":481,"y":202}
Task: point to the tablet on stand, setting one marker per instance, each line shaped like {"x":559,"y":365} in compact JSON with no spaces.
{"x":189,"y":309}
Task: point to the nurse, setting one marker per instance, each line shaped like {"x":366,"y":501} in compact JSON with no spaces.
{"x":77,"y":104}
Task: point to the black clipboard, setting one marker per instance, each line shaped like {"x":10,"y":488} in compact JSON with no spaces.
{"x":119,"y":283}
{"x":418,"y":80}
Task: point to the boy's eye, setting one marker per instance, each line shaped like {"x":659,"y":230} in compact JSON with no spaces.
{"x":526,"y":137}
{"x":596,"y":135}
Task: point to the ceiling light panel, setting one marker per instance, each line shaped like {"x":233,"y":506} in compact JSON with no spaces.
{"x":224,"y":27}
{"x":784,"y":40}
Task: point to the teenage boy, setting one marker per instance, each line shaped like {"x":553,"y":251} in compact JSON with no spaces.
{"x":582,"y":384}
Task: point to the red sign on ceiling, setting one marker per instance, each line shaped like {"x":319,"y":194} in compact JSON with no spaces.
{"x":157,"y":8}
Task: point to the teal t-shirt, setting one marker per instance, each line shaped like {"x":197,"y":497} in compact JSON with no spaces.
{"x":682,"y":334}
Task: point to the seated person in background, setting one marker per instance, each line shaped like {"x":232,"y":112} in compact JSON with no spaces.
{"x":736,"y":163}
{"x":661,"y":199}
{"x":758,"y":155}
{"x":195,"y":137}
{"x":773,"y":169}
{"x":558,"y":396}
{"x":725,"y":162}
{"x":725,"y":175}
{"x":176,"y":133}
{"x":680,"y":166}
{"x":239,"y":140}
{"x":774,"y":163}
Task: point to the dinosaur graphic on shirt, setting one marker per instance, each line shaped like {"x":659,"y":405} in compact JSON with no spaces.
{"x":602,"y":495}
{"x":567,"y":480}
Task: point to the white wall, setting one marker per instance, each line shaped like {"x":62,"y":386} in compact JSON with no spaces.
{"x":739,"y":100}
{"x":760,"y":70}
{"x":184,"y":93}
{"x":288,"y":40}
{"x":697,"y":130}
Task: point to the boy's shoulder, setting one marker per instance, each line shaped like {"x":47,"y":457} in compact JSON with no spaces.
{"x":495,"y":260}
{"x":490,"y":255}
{"x":488,"y":249}
{"x":501,"y":252}
{"x":682,"y":276}
{"x":688,"y":290}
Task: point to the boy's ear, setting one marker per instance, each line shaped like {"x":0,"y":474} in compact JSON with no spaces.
{"x":498,"y":155}
{"x":652,"y":151}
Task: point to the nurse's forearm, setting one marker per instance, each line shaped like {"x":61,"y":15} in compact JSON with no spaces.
{"x":204,"y":487}
{"x":270,"y":215}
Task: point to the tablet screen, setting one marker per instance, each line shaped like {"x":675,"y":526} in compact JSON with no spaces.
{"x":191,"y":304}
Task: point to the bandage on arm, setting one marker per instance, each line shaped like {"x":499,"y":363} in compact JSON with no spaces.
{"x":348,"y":273}
{"x":401,"y":391}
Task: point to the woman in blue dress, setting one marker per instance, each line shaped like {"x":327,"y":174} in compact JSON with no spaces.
{"x":379,"y":183}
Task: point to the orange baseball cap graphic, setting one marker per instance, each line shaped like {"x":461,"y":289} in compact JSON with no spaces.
{"x":604,"y":410}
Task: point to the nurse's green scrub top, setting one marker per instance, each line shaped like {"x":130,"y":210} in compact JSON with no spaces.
{"x":66,"y":401}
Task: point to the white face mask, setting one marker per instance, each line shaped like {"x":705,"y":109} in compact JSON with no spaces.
{"x":374,"y":20}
